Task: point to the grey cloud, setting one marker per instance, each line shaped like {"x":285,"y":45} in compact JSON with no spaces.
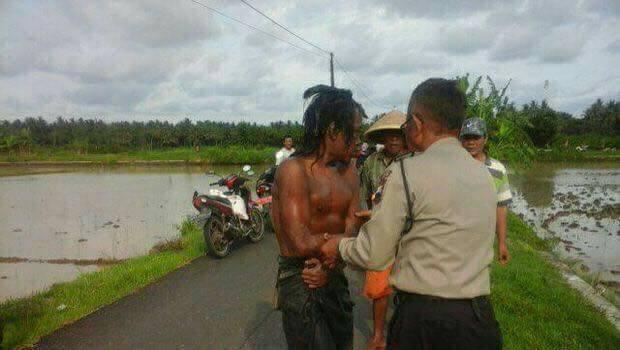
{"x":513,"y":44}
{"x":110,"y":95}
{"x":438,"y":9}
{"x":409,"y":62}
{"x":216,"y":88}
{"x":614,"y":46}
{"x":465,"y":39}
{"x":555,"y":31}
{"x":604,"y":7}
{"x":159,"y":23}
{"x":102,"y":40}
{"x":562,"y":47}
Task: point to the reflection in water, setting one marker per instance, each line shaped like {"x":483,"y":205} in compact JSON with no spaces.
{"x":536,"y":185}
{"x":580,"y":205}
{"x":89,"y":214}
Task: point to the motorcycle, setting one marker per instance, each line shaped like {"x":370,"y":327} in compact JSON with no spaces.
{"x":226,"y":216}
{"x":263,"y":187}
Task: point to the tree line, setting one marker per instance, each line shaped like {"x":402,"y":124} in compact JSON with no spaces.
{"x":97,"y":136}
{"x":514,"y":131}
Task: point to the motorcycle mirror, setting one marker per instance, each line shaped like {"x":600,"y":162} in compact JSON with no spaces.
{"x":247,"y":168}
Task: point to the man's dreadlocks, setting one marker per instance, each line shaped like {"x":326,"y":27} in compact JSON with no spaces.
{"x":329,"y":105}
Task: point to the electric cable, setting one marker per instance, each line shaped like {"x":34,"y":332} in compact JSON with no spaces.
{"x":283,"y":27}
{"x":257,"y":29}
{"x":359,"y":86}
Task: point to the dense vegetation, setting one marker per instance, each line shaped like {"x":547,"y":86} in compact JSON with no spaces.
{"x":515,"y":133}
{"x":96,"y":136}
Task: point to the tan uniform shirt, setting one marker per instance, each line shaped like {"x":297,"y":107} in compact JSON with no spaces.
{"x":449,"y":248}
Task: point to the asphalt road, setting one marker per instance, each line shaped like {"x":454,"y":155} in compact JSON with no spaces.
{"x":208,"y":304}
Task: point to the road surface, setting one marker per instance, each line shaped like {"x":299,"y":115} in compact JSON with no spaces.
{"x":208,"y":304}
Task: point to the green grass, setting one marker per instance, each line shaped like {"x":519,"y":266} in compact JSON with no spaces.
{"x":28,"y":319}
{"x":536,"y":308}
{"x":212,"y":155}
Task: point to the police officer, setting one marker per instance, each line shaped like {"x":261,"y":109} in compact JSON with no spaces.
{"x":436,"y":222}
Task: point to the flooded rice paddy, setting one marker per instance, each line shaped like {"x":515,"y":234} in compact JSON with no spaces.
{"x":59,"y":222}
{"x":578,"y":204}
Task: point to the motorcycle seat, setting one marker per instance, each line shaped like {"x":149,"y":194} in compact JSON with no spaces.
{"x":221,"y":200}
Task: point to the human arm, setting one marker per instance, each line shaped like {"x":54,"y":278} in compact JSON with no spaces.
{"x":279,"y":157}
{"x":503,"y":256}
{"x":504,"y":197}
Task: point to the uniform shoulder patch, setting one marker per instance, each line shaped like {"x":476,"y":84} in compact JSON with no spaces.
{"x":376,"y":197}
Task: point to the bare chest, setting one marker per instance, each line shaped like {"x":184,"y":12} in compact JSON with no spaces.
{"x":330,"y":196}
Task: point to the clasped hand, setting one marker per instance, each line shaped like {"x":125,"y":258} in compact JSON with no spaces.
{"x":315,"y":273}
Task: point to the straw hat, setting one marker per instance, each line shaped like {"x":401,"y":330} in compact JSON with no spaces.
{"x":389,"y":121}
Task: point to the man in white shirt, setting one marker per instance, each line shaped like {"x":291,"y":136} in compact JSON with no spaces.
{"x":285,"y":151}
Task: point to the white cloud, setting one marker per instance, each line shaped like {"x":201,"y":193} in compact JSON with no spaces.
{"x":141,"y":59}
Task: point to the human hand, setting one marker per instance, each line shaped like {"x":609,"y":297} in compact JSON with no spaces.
{"x":313,"y":274}
{"x":329,"y":252}
{"x":503,"y":256}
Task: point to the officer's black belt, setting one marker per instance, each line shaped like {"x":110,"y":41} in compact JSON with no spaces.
{"x":404,"y":297}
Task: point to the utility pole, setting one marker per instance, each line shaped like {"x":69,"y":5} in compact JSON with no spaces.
{"x":331,"y":67}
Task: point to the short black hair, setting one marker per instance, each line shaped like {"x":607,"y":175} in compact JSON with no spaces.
{"x":329,"y":105}
{"x":443,"y":99}
{"x":287,"y":136}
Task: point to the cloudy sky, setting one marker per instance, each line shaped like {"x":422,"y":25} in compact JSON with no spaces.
{"x":174,"y":59}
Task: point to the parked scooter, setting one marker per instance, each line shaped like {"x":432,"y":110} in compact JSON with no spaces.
{"x":226,"y":216}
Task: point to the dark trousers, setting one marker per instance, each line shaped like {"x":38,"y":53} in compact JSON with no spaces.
{"x":424,"y":322}
{"x":320,"y":319}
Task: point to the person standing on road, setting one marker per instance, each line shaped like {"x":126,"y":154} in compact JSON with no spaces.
{"x":317,"y":191}
{"x":285,"y":151}
{"x":387,"y":132}
{"x":474,"y":138}
{"x":436,"y":222}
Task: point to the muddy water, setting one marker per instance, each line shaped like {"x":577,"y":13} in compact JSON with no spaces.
{"x":578,"y":204}
{"x":55,"y":223}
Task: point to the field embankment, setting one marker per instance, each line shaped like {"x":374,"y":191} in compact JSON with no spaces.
{"x":206,"y":155}
{"x":535,"y":306}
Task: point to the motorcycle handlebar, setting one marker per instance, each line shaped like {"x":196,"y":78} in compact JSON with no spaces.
{"x":214,"y":183}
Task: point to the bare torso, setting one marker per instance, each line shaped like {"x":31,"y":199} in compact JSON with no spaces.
{"x":310,"y":200}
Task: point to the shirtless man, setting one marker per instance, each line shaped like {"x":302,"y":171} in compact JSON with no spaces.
{"x":316,"y":193}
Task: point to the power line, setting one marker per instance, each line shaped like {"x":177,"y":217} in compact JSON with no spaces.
{"x":283,"y":27}
{"x":359,"y":86}
{"x":257,"y":29}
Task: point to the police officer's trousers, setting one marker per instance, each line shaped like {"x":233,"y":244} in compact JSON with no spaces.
{"x":425,"y":322}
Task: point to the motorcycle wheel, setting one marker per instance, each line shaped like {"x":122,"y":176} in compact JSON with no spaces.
{"x":267,"y":217}
{"x":257,"y":222}
{"x":216,"y":242}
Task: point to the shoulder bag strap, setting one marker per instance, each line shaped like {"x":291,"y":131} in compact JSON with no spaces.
{"x":409,"y":219}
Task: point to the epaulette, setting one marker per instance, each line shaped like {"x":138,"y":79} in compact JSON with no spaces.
{"x":404,"y":156}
